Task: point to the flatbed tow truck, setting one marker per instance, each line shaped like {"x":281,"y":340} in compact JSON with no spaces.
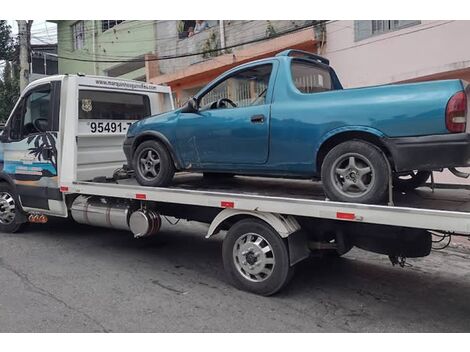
{"x":62,"y":156}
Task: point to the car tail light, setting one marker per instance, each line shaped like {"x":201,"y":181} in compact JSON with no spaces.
{"x":456,"y":113}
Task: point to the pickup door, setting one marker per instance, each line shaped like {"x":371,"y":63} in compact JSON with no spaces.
{"x":232,"y":125}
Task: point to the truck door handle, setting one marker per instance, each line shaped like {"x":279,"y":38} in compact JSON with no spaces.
{"x":257,"y":118}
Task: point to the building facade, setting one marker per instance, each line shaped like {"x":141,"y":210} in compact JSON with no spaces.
{"x":366,"y":53}
{"x":124,"y":43}
{"x":187,"y":74}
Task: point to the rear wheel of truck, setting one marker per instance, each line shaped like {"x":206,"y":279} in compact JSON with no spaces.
{"x":256,"y":258}
{"x":410,"y":181}
{"x":355,"y":172}
{"x":153,"y":164}
{"x":10,"y":213}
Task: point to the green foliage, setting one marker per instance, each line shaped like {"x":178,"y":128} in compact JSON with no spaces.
{"x":210,"y":45}
{"x":7,"y":43}
{"x":9,"y":90}
{"x":9,"y":80}
{"x":270,"y":30}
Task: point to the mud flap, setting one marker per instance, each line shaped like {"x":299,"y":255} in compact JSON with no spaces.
{"x":298,"y":247}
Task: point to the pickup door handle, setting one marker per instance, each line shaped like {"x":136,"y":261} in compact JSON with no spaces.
{"x":257,"y":118}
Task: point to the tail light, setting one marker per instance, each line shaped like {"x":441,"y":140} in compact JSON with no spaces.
{"x":456,"y":113}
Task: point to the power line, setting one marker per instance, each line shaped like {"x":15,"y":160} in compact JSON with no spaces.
{"x":170,"y":57}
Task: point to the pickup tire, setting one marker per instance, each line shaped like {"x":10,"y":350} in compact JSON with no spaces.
{"x":256,"y":258}
{"x":356,"y":172}
{"x":412,"y":181}
{"x":153,"y":164}
{"x":10,"y":211}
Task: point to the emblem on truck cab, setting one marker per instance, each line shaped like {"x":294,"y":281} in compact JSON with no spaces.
{"x":87,"y":105}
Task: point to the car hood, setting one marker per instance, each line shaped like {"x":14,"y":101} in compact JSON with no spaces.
{"x":153,"y":120}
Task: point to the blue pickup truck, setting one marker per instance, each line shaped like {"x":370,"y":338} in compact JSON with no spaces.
{"x":289,"y":116}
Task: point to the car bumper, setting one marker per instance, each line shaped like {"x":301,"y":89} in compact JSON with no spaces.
{"x":127,"y":147}
{"x":429,"y":152}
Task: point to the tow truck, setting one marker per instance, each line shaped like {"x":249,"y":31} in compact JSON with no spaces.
{"x":62,"y":156}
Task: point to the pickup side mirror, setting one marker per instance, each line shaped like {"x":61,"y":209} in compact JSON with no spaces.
{"x":191,"y":106}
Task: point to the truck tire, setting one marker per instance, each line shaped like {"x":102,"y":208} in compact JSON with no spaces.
{"x":256,"y":258}
{"x":355,"y":172}
{"x":411,"y":181}
{"x":10,"y":213}
{"x":153,"y":164}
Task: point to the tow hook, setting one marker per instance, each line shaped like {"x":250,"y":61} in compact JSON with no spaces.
{"x":459,"y":173}
{"x":37,"y":218}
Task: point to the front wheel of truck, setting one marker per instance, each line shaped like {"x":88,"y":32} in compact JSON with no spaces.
{"x":355,"y":172}
{"x":10,"y":213}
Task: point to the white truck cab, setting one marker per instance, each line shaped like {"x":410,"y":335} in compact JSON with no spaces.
{"x":71,"y":127}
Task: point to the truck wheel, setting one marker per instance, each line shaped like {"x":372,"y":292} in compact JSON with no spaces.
{"x":410,"y":181}
{"x":256,"y":257}
{"x":10,"y":214}
{"x":153,"y":164}
{"x":356,"y":172}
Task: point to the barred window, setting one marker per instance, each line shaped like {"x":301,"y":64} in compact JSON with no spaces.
{"x":310,"y":78}
{"x":78,"y":35}
{"x":108,"y":24}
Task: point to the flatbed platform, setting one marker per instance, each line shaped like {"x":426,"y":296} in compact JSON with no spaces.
{"x":442,"y":209}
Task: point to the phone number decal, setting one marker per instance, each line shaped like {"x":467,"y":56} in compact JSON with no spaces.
{"x":109,"y":127}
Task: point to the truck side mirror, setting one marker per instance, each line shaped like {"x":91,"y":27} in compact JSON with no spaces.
{"x":191,"y":106}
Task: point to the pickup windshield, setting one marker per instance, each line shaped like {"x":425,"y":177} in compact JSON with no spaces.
{"x":309,"y":77}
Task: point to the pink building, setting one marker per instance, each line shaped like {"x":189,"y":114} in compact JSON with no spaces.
{"x":367,"y":53}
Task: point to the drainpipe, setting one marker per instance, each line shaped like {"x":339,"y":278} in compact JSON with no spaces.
{"x":222,"y":33}
{"x":95,"y":64}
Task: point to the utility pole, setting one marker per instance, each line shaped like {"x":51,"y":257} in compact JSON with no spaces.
{"x":24,"y":38}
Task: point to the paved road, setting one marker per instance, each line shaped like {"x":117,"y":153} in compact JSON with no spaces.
{"x":64,"y":277}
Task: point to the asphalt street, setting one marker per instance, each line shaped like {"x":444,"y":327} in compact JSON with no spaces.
{"x":65,"y":277}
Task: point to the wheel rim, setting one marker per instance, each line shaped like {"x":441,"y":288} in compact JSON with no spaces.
{"x":353,"y":175}
{"x":148,"y":162}
{"x":7,"y":208}
{"x":254,"y":257}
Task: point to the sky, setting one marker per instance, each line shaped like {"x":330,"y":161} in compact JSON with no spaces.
{"x":42,"y":32}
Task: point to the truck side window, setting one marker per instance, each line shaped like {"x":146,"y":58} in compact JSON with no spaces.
{"x":103,"y":105}
{"x":309,"y":77}
{"x":32,"y":114}
{"x":244,"y":88}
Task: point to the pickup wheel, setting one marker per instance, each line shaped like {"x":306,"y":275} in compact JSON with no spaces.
{"x":411,"y":181}
{"x":10,"y":213}
{"x":355,"y":172}
{"x":256,"y":257}
{"x":153,"y":164}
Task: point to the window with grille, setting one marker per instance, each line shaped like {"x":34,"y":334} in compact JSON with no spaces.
{"x":108,"y":24}
{"x":78,"y":35}
{"x":245,"y":88}
{"x":367,"y":29}
{"x":309,"y":78}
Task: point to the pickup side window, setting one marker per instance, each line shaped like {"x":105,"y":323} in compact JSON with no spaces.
{"x":244,"y":88}
{"x":33,"y":113}
{"x":309,"y":77}
{"x":103,"y":105}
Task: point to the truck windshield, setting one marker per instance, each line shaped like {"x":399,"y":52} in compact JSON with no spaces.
{"x":309,"y":77}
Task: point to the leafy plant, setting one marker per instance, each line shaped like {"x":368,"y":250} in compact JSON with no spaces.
{"x":210,"y":45}
{"x":270,"y":31}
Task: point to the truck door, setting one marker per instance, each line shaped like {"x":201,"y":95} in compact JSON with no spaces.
{"x":30,"y":150}
{"x":232,"y":125}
